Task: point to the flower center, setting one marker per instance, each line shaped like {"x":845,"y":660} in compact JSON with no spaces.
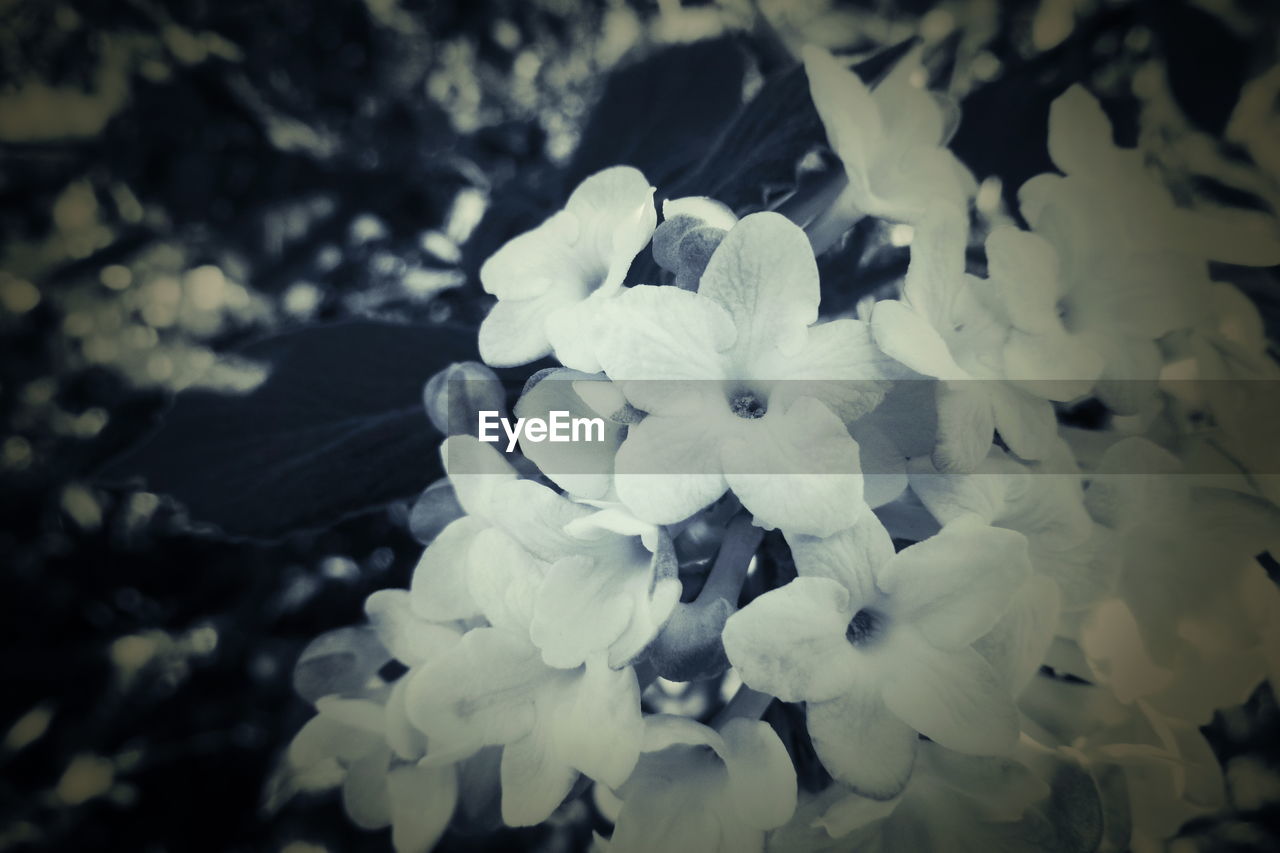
{"x":865,"y":627}
{"x":746,"y":404}
{"x":1063,"y":308}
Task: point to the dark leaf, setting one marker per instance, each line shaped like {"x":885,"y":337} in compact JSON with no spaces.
{"x":337,"y":427}
{"x":1018,"y":104}
{"x":662,"y":114}
{"x":1207,"y":63}
{"x":770,"y":134}
{"x":763,"y":144}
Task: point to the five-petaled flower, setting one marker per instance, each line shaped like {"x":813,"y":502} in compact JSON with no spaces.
{"x":880,"y":646}
{"x":549,"y":279}
{"x":743,"y":390}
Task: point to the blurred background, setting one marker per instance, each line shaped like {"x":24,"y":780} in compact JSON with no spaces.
{"x":181,"y":179}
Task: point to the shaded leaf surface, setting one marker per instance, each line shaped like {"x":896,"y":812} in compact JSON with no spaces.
{"x":1207,"y":63}
{"x":662,"y":114}
{"x":337,"y":427}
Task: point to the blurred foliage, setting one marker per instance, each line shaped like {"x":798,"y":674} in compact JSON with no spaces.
{"x":180,"y":179}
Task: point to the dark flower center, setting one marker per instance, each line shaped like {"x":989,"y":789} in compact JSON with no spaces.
{"x":864,"y":628}
{"x":745,"y":404}
{"x":1063,"y":309}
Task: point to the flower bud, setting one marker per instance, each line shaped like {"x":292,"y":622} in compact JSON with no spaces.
{"x":341,"y":661}
{"x":455,"y":396}
{"x":692,"y":228}
{"x":434,"y":509}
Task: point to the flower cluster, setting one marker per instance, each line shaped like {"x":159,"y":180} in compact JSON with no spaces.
{"x":835,"y":583}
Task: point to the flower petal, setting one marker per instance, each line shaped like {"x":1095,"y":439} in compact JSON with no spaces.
{"x":650,"y":615}
{"x":663,"y":809}
{"x":515,"y":332}
{"x":952,"y":496}
{"x":1080,"y":139}
{"x":439,"y":590}
{"x":851,"y":556}
{"x":966,"y":425}
{"x":1017,"y":644}
{"x":862,"y":744}
{"x":504,"y":579}
{"x":907,"y":336}
{"x":953,"y":697}
{"x":883,"y":463}
{"x":536,"y":517}
{"x":849,"y":113}
{"x":422,"y":803}
{"x":597,"y":725}
{"x":535,"y":781}
{"x":1136,"y":480}
{"x":324,"y":738}
{"x":616,"y":216}
{"x":790,"y":642}
{"x":571,"y":331}
{"x":479,"y":694}
{"x":1052,"y":365}
{"x":534,"y":263}
{"x":764,"y":275}
{"x":661,"y":337}
{"x":798,"y":469}
{"x":1027,"y":424}
{"x":580,"y":468}
{"x":583,"y":606}
{"x":840,"y":365}
{"x":364,"y":791}
{"x":1024,"y":267}
{"x":668,"y":468}
{"x":411,"y":639}
{"x":762,"y":782}
{"x":405,"y":741}
{"x":854,"y":812}
{"x":475,"y":469}
{"x":954,"y":586}
{"x":664,"y":730}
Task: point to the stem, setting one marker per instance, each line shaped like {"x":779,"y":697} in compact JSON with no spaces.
{"x":830,"y":225}
{"x":729,"y":572}
{"x":746,"y":703}
{"x":814,"y":198}
{"x":646,"y":674}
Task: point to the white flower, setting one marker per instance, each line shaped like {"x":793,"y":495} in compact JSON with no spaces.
{"x":493,"y":689}
{"x":1087,"y":309}
{"x":1228,"y":342}
{"x":880,"y":646}
{"x":964,"y":801}
{"x":742,"y":390}
{"x":1188,"y":592}
{"x":583,"y":469}
{"x":581,"y":254}
{"x":696,"y":788}
{"x":581,"y":579}
{"x":892,"y":141}
{"x":1139,"y":211}
{"x":365,"y":743}
{"x":1052,"y":347}
{"x":1168,"y":775}
{"x":1126,"y":265}
{"x":944,"y":328}
{"x":1045,"y":506}
{"x":348,"y":742}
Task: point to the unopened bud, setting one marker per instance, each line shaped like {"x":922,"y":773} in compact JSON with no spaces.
{"x":691,"y":230}
{"x":455,"y":396}
{"x":434,"y":509}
